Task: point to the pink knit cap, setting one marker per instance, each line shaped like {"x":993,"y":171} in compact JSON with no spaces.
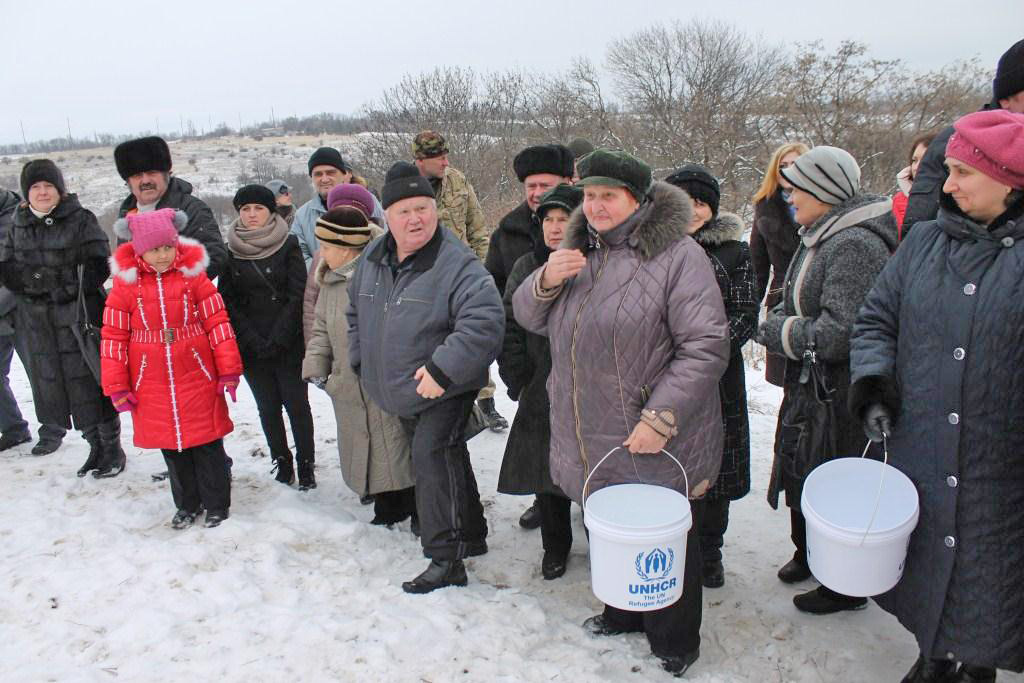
{"x":351,"y":194}
{"x":153,"y":229}
{"x":991,"y":141}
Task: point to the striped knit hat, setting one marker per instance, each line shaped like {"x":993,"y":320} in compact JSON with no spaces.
{"x":828,"y":174}
{"x":344,"y":226}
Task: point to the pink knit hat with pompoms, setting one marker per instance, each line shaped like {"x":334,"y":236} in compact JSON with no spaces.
{"x":151,"y":229}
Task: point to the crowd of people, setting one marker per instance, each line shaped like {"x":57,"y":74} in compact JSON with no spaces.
{"x":616,"y":306}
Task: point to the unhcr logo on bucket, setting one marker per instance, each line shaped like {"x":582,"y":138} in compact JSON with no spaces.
{"x":654,"y":568}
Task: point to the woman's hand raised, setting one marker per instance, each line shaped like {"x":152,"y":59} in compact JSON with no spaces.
{"x":562,"y":265}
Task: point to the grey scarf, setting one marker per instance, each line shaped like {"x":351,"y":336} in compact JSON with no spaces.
{"x":253,"y":244}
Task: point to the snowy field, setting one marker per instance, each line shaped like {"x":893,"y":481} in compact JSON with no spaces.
{"x":95,"y":586}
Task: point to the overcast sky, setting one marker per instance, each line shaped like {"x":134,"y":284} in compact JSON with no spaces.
{"x":119,"y":67}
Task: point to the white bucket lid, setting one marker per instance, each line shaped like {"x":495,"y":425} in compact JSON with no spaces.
{"x":841,"y":494}
{"x":640,"y":510}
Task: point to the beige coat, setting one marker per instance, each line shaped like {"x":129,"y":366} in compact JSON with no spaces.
{"x":372,"y":445}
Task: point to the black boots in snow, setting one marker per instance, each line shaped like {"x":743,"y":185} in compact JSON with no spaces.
{"x":106,"y":457}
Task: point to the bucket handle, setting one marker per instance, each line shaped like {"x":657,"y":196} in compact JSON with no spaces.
{"x":881,"y":480}
{"x":586,"y":483}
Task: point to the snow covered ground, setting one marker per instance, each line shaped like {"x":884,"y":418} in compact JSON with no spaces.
{"x":95,"y":586}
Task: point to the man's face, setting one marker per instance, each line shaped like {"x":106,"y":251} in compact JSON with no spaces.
{"x":412,"y":222}
{"x":537,"y":184}
{"x":433,"y":167}
{"x":148,"y":186}
{"x":325,"y":177}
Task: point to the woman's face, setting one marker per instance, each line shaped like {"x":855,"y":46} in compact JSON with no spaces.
{"x":161,"y":258}
{"x":607,"y":207}
{"x":701,"y":215}
{"x":808,"y":208}
{"x":785,"y":162}
{"x":254,"y":215}
{"x":335,"y":256}
{"x":915,"y":159}
{"x":977,"y":195}
{"x":555,"y":222}
{"x":43,"y":196}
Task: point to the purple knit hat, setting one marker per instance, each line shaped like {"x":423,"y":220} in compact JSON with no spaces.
{"x":991,"y":141}
{"x":351,"y":194}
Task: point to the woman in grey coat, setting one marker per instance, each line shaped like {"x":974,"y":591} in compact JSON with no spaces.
{"x":937,"y":367}
{"x":639,"y":341}
{"x":372,"y":445}
{"x":846,"y":239}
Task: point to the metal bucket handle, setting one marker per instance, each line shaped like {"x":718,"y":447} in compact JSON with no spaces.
{"x":586,"y":482}
{"x":881,"y":480}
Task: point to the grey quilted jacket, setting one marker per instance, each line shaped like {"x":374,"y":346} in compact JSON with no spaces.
{"x":642,"y":326}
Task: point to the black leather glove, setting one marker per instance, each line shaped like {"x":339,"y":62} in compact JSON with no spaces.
{"x":877,"y":421}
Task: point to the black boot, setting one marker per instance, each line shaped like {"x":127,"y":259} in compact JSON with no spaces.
{"x":677,"y":665}
{"x":46,"y":446}
{"x":439,"y":574}
{"x":92,"y":437}
{"x":713,"y":574}
{"x":598,"y":625}
{"x":285,"y":470}
{"x":530,"y":519}
{"x":822,"y":600}
{"x":495,"y":422}
{"x":553,"y":564}
{"x":112,"y":457}
{"x":974,"y":674}
{"x":794,"y":572}
{"x":930,"y":671}
{"x":12,"y":439}
{"x":307,"y":480}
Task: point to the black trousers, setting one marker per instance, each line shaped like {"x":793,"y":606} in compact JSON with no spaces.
{"x":798,"y":534}
{"x":200,"y":476}
{"x":391,"y":507}
{"x":713,"y":528}
{"x":447,"y":498}
{"x":277,"y":385}
{"x":674,"y":630}
{"x":555,"y":523}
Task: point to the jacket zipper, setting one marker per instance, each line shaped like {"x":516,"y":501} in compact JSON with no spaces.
{"x":202,"y":366}
{"x":142,"y":371}
{"x":572,"y":365}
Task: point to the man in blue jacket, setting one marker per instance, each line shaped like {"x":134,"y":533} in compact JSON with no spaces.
{"x":425,"y":323}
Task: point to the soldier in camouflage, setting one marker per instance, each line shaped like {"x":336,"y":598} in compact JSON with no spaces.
{"x":459,"y":210}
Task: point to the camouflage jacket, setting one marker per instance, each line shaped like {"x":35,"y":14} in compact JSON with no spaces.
{"x":459,"y":210}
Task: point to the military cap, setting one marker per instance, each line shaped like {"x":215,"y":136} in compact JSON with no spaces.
{"x":428,"y":144}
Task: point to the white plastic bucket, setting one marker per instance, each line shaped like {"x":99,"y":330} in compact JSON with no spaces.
{"x":637,"y":543}
{"x":860,"y":514}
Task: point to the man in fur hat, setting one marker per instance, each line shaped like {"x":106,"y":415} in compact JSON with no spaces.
{"x":145,"y":166}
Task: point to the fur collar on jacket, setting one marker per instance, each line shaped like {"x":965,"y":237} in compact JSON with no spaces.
{"x":667,"y":212}
{"x":192,"y":260}
{"x":725,"y":227}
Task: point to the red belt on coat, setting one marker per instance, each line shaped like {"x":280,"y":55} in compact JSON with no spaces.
{"x":168,"y":336}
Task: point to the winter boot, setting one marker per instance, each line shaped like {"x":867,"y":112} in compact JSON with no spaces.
{"x":92,"y":436}
{"x":930,"y":671}
{"x":439,"y":574}
{"x":530,"y":519}
{"x":214,"y":518}
{"x":677,"y":666}
{"x":553,"y":564}
{"x":713,"y":574}
{"x":46,"y":446}
{"x":11,"y":439}
{"x":112,"y":457}
{"x":974,"y":674}
{"x":598,"y":625}
{"x":307,"y":479}
{"x":495,"y":422}
{"x":183,"y":519}
{"x":822,"y":600}
{"x":794,"y":572}
{"x":285,"y":470}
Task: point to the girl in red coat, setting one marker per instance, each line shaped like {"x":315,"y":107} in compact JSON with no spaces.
{"x":169,"y":355}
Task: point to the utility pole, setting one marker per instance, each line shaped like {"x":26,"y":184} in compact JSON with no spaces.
{"x":273,"y":121}
{"x":157,"y":131}
{"x":24,"y":141}
{"x":69,"y":131}
{"x":239,"y":124}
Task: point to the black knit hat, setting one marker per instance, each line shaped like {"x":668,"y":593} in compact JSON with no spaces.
{"x":328,"y":156}
{"x":1009,"y":78}
{"x":255,"y":194}
{"x":617,"y":169}
{"x":141,"y":155}
{"x":563,"y":196}
{"x":699,"y":184}
{"x":402,"y":181}
{"x":41,"y":170}
{"x":556,"y":159}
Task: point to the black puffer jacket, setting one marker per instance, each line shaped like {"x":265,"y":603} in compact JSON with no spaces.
{"x":201,"y":226}
{"x":39,"y":263}
{"x":721,"y":238}
{"x":264,"y":301}
{"x":8,"y":204}
{"x":938,"y":340}
{"x":517,"y":234}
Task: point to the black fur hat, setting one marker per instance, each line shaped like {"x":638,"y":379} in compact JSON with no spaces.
{"x":41,"y":170}
{"x":699,"y":183}
{"x":141,"y":155}
{"x":255,"y":194}
{"x":402,"y":181}
{"x":556,"y":159}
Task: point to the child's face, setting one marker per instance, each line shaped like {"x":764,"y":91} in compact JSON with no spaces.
{"x":160,"y":257}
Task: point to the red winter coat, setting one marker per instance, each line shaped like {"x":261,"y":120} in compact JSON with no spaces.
{"x":167,"y":338}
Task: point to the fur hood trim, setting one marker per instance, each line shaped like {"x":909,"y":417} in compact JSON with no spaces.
{"x":725,"y":227}
{"x":662,"y":221}
{"x":192,"y":260}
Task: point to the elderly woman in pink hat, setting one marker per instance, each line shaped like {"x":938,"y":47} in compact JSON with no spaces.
{"x":938,"y":375}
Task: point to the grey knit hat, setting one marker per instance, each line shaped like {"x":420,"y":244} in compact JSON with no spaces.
{"x":829,"y":174}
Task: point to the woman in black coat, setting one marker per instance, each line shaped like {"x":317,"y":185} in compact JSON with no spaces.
{"x":524,"y":365}
{"x":262,"y":288}
{"x":938,"y":367}
{"x":51,"y":238}
{"x":721,"y":236}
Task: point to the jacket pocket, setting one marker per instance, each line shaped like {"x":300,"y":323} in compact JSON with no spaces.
{"x":202,"y":365}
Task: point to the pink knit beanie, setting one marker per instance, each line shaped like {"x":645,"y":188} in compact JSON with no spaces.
{"x":151,"y":229}
{"x":991,"y":141}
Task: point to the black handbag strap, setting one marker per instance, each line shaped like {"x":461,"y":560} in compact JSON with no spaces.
{"x":82,"y":313}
